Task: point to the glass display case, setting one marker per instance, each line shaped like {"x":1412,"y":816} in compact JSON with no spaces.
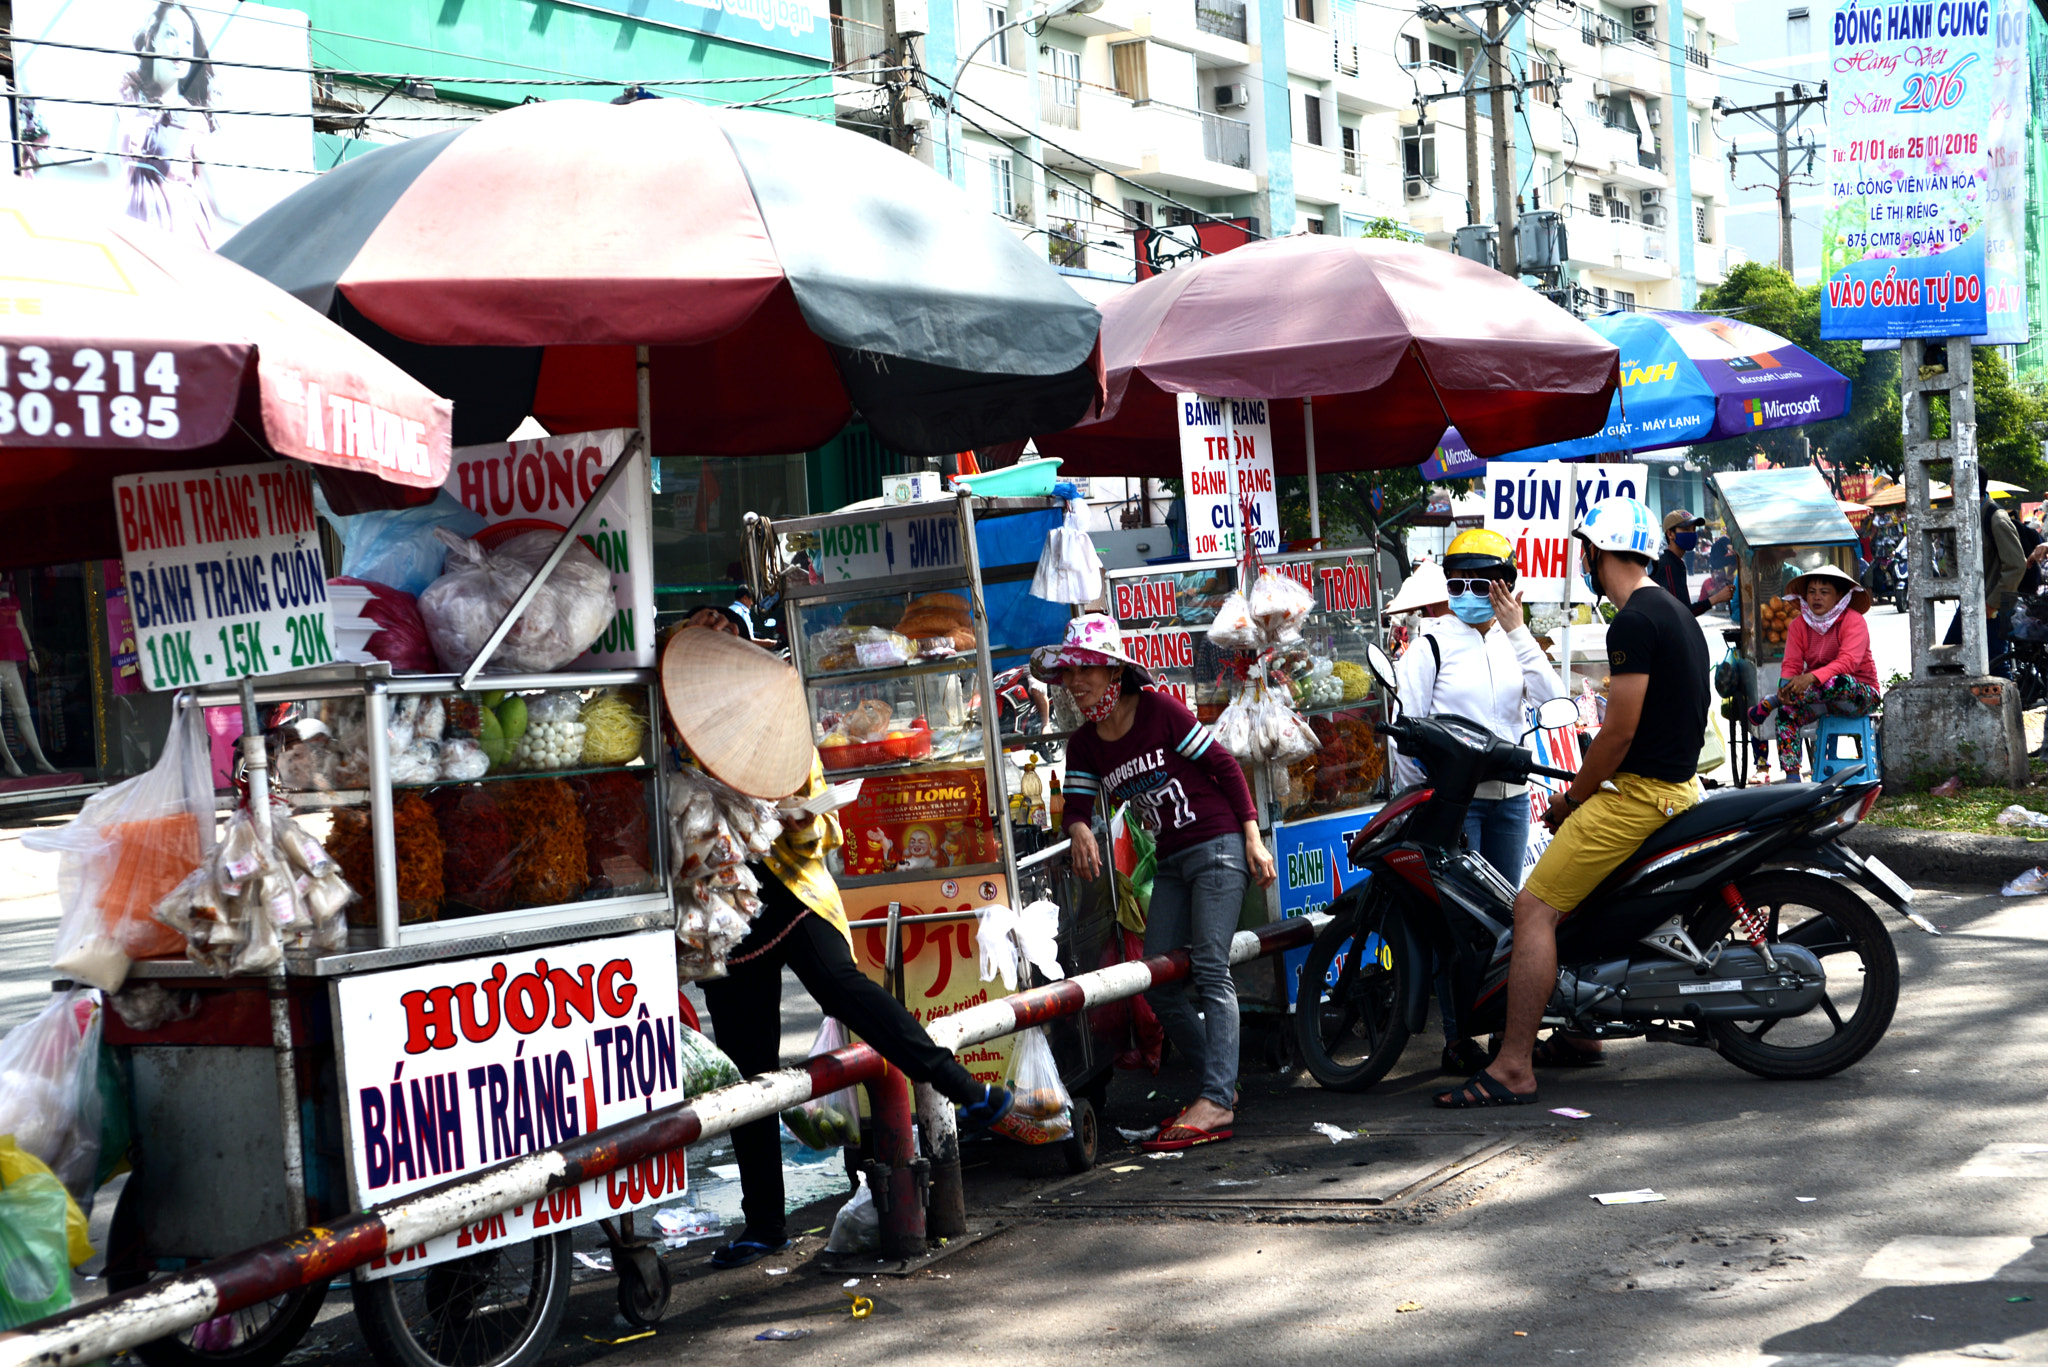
{"x":526,"y":812}
{"x":1782,"y":524}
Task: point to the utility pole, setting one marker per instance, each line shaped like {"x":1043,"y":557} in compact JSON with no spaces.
{"x":1785,"y":114}
{"x":1471,"y":151}
{"x":1503,"y":145}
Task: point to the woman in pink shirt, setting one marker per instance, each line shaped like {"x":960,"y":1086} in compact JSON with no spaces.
{"x":1827,"y":668}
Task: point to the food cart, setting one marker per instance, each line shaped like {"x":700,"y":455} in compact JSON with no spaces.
{"x":507,"y":979}
{"x":906,"y":616}
{"x":1782,"y":523}
{"x":1308,"y":808}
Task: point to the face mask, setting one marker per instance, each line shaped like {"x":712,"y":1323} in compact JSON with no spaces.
{"x":1472,"y":608}
{"x":1686,"y":540}
{"x":1586,"y":575}
{"x":1107,"y":703}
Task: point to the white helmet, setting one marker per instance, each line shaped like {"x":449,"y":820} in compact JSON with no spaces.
{"x":1621,"y":524}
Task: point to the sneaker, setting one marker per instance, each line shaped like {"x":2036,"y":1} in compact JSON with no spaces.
{"x":995,"y":1103}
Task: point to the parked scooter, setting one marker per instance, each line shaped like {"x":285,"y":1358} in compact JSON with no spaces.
{"x":1731,"y":928}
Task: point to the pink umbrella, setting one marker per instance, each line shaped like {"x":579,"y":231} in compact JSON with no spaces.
{"x":1391,"y":342}
{"x":122,"y":351}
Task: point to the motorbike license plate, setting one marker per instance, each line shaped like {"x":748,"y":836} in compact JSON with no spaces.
{"x":1889,"y":879}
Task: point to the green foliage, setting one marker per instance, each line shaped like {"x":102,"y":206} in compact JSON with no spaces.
{"x":1394,"y":228}
{"x":2011,"y":418}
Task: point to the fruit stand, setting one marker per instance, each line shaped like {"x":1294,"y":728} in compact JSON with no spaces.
{"x":1783,"y":523}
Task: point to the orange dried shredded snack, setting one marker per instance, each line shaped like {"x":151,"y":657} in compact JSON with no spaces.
{"x":418,"y":847}
{"x":548,"y":836}
{"x":151,"y":857}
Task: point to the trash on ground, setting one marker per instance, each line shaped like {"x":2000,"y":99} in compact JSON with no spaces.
{"x":1235,"y":1182}
{"x":1923,"y":1317}
{"x":1157,"y":1157}
{"x":781,"y":1335}
{"x":851,"y":1281}
{"x":629,"y":1338}
{"x":862,"y":1307}
{"x":819,"y":1230}
{"x":2033,"y":881}
{"x":1806,"y":1200}
{"x":2017,"y":815}
{"x":1571,"y":1113}
{"x":1996,"y":1352}
{"x":1948,"y":787}
{"x":677,"y":1225}
{"x":1134,"y":1136}
{"x":1626,"y":1198}
{"x":2016,"y":1300}
{"x":778,"y":1271}
{"x":1335,"y":1135}
{"x":1405,"y":1306}
{"x":308,"y":1349}
{"x":1128,"y":1167}
{"x":1521,"y":1333}
{"x":599,"y":1262}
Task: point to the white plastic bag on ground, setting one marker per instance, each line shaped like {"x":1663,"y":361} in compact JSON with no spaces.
{"x":857,"y":1228}
{"x":2029,"y":884}
{"x":1035,"y":1077}
{"x":464,"y":606}
{"x":2017,"y":815}
{"x":49,"y":1087}
{"x":1069,"y":569}
{"x":831,"y":1121}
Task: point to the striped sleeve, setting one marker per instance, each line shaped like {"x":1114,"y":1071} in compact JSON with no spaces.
{"x":1196,"y":742}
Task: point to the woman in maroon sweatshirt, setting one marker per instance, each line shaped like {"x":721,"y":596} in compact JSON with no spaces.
{"x":1143,"y":748}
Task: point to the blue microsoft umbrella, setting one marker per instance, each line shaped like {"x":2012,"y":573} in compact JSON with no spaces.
{"x":1686,"y":378}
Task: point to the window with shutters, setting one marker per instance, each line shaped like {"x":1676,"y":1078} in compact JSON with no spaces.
{"x":1312,"y":120}
{"x":1445,"y":57}
{"x":1596,"y":205}
{"x":1411,"y":50}
{"x":1138,"y":210}
{"x":1699,"y":223}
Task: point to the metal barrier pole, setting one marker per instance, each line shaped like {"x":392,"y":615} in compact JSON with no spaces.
{"x":896,"y":1176}
{"x":105,"y":1327}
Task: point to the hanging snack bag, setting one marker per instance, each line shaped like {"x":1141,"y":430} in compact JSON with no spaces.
{"x":1234,"y":628}
{"x":1279,"y":603}
{"x":1035,"y":1077}
{"x":464,"y":606}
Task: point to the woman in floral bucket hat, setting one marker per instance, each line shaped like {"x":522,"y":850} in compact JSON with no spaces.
{"x":1141,"y":747}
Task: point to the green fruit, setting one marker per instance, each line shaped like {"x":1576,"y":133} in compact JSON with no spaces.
{"x":493,"y":698}
{"x":512,"y":717}
{"x":491,"y":738}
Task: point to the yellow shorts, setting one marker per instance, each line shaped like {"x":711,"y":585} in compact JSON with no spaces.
{"x":1609,"y":828}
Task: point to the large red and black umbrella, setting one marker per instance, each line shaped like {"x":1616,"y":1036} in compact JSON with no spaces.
{"x":786,"y":274}
{"x":1391,"y":341}
{"x":122,"y":351}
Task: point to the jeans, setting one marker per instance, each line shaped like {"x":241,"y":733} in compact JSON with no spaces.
{"x":1197,"y":896}
{"x":746,"y":1016}
{"x":1499,"y":829}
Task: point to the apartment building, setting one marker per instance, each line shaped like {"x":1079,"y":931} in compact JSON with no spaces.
{"x":1328,"y":115}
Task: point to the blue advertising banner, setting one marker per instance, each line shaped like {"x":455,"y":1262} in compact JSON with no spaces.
{"x":1314,"y":868}
{"x":1927,"y":112}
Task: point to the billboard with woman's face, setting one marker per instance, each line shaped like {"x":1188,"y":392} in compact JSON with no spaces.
{"x":130,"y":103}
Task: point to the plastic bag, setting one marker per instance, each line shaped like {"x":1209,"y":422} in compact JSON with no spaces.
{"x":465,"y":605}
{"x":1279,"y":602}
{"x":399,"y":548}
{"x":49,"y":1087}
{"x":35,"y":1264}
{"x":1069,"y":568}
{"x":857,"y":1228}
{"x":401,"y":639}
{"x":126,"y":848}
{"x":705,"y":1068}
{"x":1035,"y":1077}
{"x":2029,"y":884}
{"x":831,"y":1121}
{"x":1234,"y":628}
{"x":16,"y":1165}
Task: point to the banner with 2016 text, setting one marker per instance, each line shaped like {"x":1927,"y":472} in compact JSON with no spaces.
{"x":1928,"y":105}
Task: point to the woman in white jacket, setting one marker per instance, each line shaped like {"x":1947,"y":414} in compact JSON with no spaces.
{"x":1480,"y":662}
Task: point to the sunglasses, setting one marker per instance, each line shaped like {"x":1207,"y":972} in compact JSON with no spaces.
{"x":1470,"y":585}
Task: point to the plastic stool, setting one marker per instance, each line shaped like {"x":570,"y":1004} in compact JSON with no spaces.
{"x":1843,"y":743}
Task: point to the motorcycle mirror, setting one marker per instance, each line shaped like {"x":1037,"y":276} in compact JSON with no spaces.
{"x":1555,"y":713}
{"x":1382,"y":668}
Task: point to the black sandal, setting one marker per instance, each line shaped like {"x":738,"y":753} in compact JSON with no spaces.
{"x":1555,"y":1053}
{"x":744,"y":1253}
{"x":1491,"y":1092}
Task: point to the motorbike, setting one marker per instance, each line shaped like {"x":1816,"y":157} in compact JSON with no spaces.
{"x":1732,"y":928}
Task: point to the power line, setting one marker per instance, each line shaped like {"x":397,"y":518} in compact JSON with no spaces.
{"x":253,"y":113}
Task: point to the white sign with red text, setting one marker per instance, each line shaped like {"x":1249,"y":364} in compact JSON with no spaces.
{"x":449,"y":1068}
{"x":538,"y":485}
{"x":224,"y":573}
{"x":1226,"y":467}
{"x":1535,"y":505}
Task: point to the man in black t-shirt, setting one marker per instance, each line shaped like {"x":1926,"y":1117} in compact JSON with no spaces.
{"x":1638,"y":773}
{"x":1681,"y":537}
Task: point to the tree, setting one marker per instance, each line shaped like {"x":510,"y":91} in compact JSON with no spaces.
{"x":2011,"y":418}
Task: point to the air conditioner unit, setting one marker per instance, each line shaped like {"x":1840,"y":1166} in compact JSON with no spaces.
{"x":1233,"y":96}
{"x":1653,"y":218}
{"x":1645,"y":15}
{"x":1416,"y":189}
{"x":1602,"y":89}
{"x":1656,"y":116}
{"x":1650,"y":197}
{"x":1610,"y":192}
{"x":1646,"y":36}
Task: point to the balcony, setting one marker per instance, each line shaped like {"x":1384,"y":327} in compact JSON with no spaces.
{"x":1709,"y":178}
{"x":1318,"y":173}
{"x":1221,"y":18}
{"x":1639,"y":253}
{"x":1309,"y":51}
{"x":1191,"y":150}
{"x":1094,"y":124}
{"x":857,"y":48}
{"x":1226,"y":141}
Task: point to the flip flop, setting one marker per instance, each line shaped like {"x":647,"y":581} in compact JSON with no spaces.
{"x":1178,"y":1136}
{"x":1492,"y":1092}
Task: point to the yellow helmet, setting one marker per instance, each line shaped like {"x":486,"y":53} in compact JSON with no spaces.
{"x":1481,"y":550}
